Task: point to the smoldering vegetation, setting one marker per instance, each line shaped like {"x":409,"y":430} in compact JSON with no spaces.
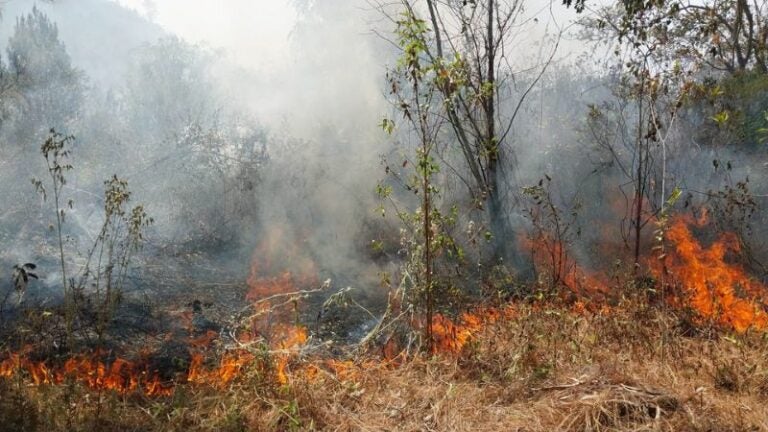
{"x":238,"y":172}
{"x":166,"y":121}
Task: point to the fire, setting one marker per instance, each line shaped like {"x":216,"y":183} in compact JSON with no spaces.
{"x":229,"y":368}
{"x":121,"y":376}
{"x":451,"y":336}
{"x":272,"y":291}
{"x":292,"y":338}
{"x":552,"y":256}
{"x":713,"y":287}
{"x":125,"y":377}
{"x":269,"y":274}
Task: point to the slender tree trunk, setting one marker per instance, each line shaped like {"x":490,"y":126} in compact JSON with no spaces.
{"x":490,"y":101}
{"x":482,"y":148}
{"x":496,"y":214}
{"x":69,"y":307}
{"x":435,"y":27}
{"x":638,"y":210}
{"x":428,"y":257}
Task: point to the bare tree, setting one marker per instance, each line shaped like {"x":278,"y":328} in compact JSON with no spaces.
{"x":469,"y":47}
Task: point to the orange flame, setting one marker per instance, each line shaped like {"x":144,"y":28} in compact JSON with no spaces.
{"x":229,"y":368}
{"x":120,"y":375}
{"x":272,"y":289}
{"x":292,"y":337}
{"x":551,"y":256}
{"x":714,"y":288}
{"x":451,"y":336}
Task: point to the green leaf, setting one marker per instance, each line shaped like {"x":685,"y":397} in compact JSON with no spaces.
{"x":721,"y":118}
{"x":387,"y":125}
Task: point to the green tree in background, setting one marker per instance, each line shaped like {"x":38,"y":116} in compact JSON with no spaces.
{"x":50,"y":87}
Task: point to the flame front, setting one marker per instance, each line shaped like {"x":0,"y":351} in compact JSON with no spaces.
{"x":273,"y":291}
{"x":120,"y":375}
{"x":714,"y":288}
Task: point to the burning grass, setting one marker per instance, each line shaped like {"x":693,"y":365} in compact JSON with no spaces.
{"x":543,"y":368}
{"x":715,"y":288}
{"x":696,"y":361}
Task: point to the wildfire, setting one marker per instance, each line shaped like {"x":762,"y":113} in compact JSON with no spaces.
{"x":274,"y":290}
{"x":292,"y":337}
{"x":269,"y":273}
{"x":552,"y":256}
{"x":451,"y":336}
{"x":228,"y":369}
{"x":120,"y":375}
{"x":714,"y":288}
{"x":124,"y":376}
{"x":271,"y":291}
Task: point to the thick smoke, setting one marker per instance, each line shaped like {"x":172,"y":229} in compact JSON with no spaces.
{"x":226,"y":152}
{"x":220,"y":155}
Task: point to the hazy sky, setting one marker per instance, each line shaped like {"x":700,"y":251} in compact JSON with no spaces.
{"x":254,"y":31}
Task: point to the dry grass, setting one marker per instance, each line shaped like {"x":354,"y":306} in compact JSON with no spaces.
{"x":547,"y":369}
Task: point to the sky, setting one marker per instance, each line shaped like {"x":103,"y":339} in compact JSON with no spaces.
{"x":254,"y":32}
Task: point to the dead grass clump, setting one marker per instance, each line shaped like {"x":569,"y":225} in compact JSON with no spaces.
{"x":616,"y":408}
{"x":17,"y":412}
